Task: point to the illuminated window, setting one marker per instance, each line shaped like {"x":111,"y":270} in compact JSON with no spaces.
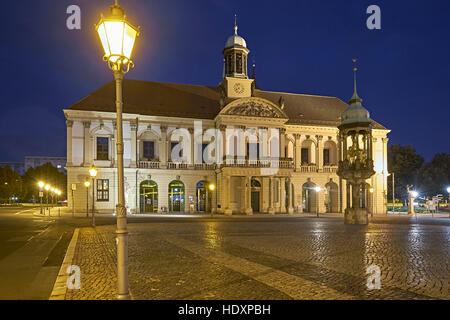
{"x":102,"y":190}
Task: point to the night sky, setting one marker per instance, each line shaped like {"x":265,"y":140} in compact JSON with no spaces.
{"x":299,"y":46}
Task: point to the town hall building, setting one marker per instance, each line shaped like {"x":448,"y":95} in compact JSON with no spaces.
{"x":230,"y":149}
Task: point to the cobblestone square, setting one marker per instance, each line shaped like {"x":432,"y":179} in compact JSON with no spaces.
{"x":298,"y":258}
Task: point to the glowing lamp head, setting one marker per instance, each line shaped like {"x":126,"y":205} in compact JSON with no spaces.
{"x":87,"y":184}
{"x":212,"y":187}
{"x":117,"y":36}
{"x":414,"y":194}
{"x":47,"y":187}
{"x":93,"y":172}
{"x":448,"y":189}
{"x":41,"y":184}
{"x":371,"y":190}
{"x":317,"y":188}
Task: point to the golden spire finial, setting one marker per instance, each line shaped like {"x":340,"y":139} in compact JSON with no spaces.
{"x":235,"y":24}
{"x":355,"y":97}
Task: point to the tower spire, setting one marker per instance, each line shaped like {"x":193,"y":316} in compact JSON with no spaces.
{"x":235,"y":24}
{"x":355,"y":97}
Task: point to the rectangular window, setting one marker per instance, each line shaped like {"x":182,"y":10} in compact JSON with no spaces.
{"x":326,"y":157}
{"x":102,"y":148}
{"x":149,"y":150}
{"x":102,"y":190}
{"x":305,"y":156}
{"x":253,"y":150}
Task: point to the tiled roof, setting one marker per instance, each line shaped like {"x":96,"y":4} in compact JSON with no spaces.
{"x":202,"y":102}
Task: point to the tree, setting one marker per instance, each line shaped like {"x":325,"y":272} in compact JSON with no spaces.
{"x":405,"y":163}
{"x":46,"y":173}
{"x":10,"y":184}
{"x":434,"y":176}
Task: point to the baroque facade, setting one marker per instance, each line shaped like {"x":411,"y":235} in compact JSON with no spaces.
{"x":231,"y":148}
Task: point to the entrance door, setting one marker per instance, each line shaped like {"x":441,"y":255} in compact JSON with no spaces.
{"x":148,"y":196}
{"x":255,"y":201}
{"x":255,"y":195}
{"x":176,"y":196}
{"x":201,"y":196}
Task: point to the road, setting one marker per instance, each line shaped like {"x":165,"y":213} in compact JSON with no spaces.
{"x":32,"y":248}
{"x":242,"y":257}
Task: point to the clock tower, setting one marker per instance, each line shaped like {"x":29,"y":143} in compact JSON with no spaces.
{"x":236,"y":83}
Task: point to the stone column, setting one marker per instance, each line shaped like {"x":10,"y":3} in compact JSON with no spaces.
{"x":248,"y":192}
{"x":193,"y":151}
{"x":282,"y":195}
{"x":69,"y":124}
{"x":223,"y":132}
{"x":290,"y":208}
{"x":241,"y":143}
{"x":282,"y":143}
{"x":319,"y":153}
{"x":133,"y":127}
{"x":226,"y":204}
{"x":271,"y":209}
{"x":86,"y":152}
{"x":163,"y":153}
{"x":385,"y":142}
{"x":298,"y":152}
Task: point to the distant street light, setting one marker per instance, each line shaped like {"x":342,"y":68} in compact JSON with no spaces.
{"x":212,"y":187}
{"x":317,"y":189}
{"x":117,"y":37}
{"x":87,"y":184}
{"x":93,"y":174}
{"x":41,"y":185}
{"x":47,"y":188}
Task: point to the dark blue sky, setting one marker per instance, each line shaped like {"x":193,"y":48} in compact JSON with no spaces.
{"x":300,"y":47}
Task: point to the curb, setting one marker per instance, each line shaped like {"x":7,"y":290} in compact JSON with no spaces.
{"x":60,"y":286}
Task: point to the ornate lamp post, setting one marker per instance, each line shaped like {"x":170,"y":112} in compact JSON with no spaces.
{"x":93,"y":174}
{"x":117,"y":37}
{"x":356,"y":163}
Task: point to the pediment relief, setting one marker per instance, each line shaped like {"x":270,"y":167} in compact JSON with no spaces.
{"x":253,"y":107}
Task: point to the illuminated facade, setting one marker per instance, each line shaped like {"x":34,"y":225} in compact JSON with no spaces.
{"x":268,"y":151}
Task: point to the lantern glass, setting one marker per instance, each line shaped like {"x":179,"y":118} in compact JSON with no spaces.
{"x":117,"y":38}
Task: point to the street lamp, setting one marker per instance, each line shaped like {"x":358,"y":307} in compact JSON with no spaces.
{"x":317,"y":189}
{"x":93,"y":174}
{"x":41,"y":185}
{"x":87,"y":184}
{"x":117,"y":37}
{"x":212,"y":187}
{"x":47,"y":188}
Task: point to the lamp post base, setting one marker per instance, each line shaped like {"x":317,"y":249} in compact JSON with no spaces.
{"x":356,"y":216}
